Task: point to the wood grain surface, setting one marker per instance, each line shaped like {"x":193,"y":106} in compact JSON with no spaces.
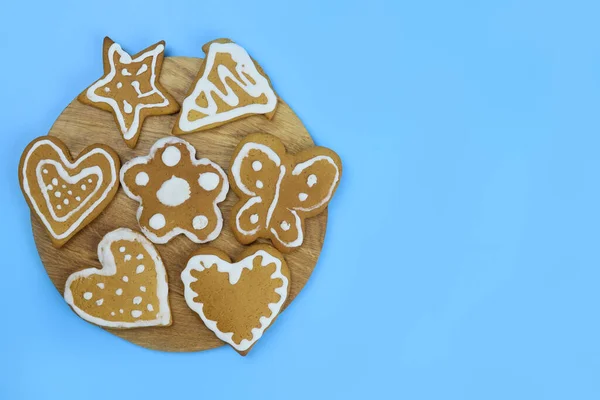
{"x":80,"y":125}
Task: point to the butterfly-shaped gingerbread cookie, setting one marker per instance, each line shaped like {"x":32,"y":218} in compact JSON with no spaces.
{"x":277,"y":191}
{"x":130,"y":88}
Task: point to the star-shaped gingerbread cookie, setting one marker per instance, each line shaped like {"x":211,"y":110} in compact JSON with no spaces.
{"x":130,"y":88}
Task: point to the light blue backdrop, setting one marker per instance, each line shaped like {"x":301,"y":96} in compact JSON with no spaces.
{"x":462,"y":256}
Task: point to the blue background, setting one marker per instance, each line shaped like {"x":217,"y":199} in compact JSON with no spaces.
{"x":461,"y":258}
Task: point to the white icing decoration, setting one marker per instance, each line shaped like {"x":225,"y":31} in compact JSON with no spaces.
{"x":95,"y":170}
{"x":200,"y":222}
{"x":99,"y":302}
{"x":112,"y":313}
{"x":57,"y":194}
{"x":69,"y":192}
{"x":137,"y":300}
{"x":157,"y":221}
{"x":125,"y":72}
{"x":244,"y":67}
{"x":54,"y":181}
{"x":66,"y":202}
{"x":122,"y":249}
{"x":109,"y":268}
{"x":285,"y":226}
{"x":173,"y":192}
{"x":100,"y":285}
{"x":64,"y":186}
{"x":259,"y":184}
{"x":136,"y":313}
{"x":107,"y":89}
{"x":142,"y":69}
{"x":119,"y":291}
{"x":119,"y":85}
{"x":128,"y":132}
{"x":127,"y":257}
{"x":254,"y":218}
{"x":256,"y":165}
{"x":208,"y":181}
{"x":311,"y":180}
{"x":171,"y":156}
{"x":302,"y":196}
{"x":127,"y":107}
{"x":45,"y":171}
{"x":125,"y":278}
{"x":161,"y":143}
{"x":149,"y":307}
{"x":78,"y":198}
{"x":139,"y":269}
{"x":49,"y":187}
{"x":204,"y":261}
{"x":142,"y":179}
{"x":140,"y":256}
{"x":87,"y":295}
{"x":143,"y":288}
{"x":59,"y":207}
{"x":90,"y":180}
{"x":83,"y":187}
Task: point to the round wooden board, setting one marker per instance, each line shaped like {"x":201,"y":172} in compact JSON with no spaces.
{"x":80,"y":125}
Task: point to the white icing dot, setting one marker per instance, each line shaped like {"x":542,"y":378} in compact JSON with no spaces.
{"x":137,"y":300}
{"x":49,"y":187}
{"x":121,"y":311}
{"x":302,"y":196}
{"x":59,"y":207}
{"x":119,"y":85}
{"x":127,"y":257}
{"x":78,"y":198}
{"x":107,"y":89}
{"x":208,"y":181}
{"x":174,"y":191}
{"x":312,"y":180}
{"x":122,"y":249}
{"x":259,"y":184}
{"x":171,"y":156}
{"x":143,"y":288}
{"x":157,"y":221}
{"x":141,"y":179}
{"x":90,"y":180}
{"x":136,"y":313}
{"x":100,"y":285}
{"x":142,"y":69}
{"x":87,"y":295}
{"x":66,"y":201}
{"x":139,"y":269}
{"x":83,"y":187}
{"x":254,"y":218}
{"x":119,"y":291}
{"x":127,"y":107}
{"x":285,"y":226}
{"x":140,"y":256}
{"x":149,"y":307}
{"x":125,"y":72}
{"x":112,"y":313}
{"x":64,"y":186}
{"x":199,"y":222}
{"x":57,"y":194}
{"x":125,"y":278}
{"x":69,"y":192}
{"x":99,"y":302}
{"x":54,"y":181}
{"x":45,"y":171}
{"x":256,"y":165}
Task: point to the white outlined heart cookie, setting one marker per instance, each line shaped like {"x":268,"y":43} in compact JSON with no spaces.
{"x":67,"y":194}
{"x":237,"y":301}
{"x":129,"y":291}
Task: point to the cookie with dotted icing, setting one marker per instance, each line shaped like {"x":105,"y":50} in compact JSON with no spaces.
{"x":178,"y":193}
{"x":130,"y":88}
{"x":230,"y":85}
{"x":129,"y":291}
{"x":239,"y":300}
{"x":66,"y":194}
{"x":277,"y":191}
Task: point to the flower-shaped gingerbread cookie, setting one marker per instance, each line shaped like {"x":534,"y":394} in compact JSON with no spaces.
{"x":178,"y":194}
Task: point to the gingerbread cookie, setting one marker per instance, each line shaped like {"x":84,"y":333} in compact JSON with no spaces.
{"x":278,"y":190}
{"x":230,"y":85}
{"x":177,"y":192}
{"x":129,"y":291}
{"x":130,"y":88}
{"x":67,"y":194}
{"x":237,"y":301}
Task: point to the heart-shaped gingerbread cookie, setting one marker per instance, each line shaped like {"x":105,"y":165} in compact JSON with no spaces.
{"x":130,"y":290}
{"x":67,"y":194}
{"x":237,"y":301}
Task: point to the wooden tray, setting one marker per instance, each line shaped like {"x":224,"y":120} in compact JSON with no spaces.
{"x":80,"y":125}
